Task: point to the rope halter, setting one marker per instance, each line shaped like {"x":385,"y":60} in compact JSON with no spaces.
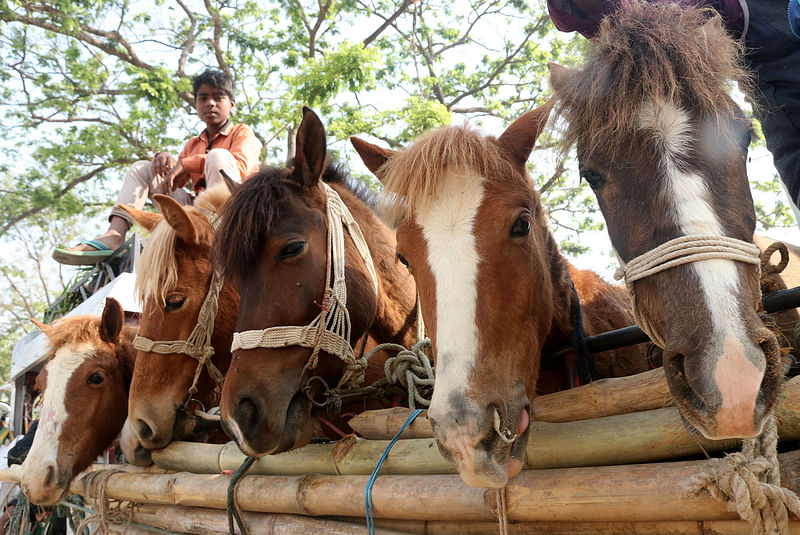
{"x":676,"y":252}
{"x":198,"y":344}
{"x":330,"y":330}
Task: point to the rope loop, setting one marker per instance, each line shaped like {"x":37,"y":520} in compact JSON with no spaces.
{"x":749,"y":481}
{"x":677,"y":252}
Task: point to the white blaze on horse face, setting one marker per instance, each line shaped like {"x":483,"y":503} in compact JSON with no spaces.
{"x":44,"y":451}
{"x":737,"y":378}
{"x":447,"y":222}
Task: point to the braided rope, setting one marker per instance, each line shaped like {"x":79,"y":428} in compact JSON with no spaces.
{"x":750,"y":482}
{"x":677,"y":252}
{"x":330,"y":330}
{"x":198,"y":344}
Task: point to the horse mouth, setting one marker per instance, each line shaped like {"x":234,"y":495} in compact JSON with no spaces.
{"x":256,"y":438}
{"x":494,"y":459}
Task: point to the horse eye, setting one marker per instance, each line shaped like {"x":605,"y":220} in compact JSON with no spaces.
{"x":521,"y":227}
{"x":95,"y":379}
{"x":594,"y":178}
{"x":291,"y":249}
{"x":174,"y":303}
{"x":402,"y":259}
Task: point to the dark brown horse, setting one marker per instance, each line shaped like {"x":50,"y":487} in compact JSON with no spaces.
{"x":495,"y":292}
{"x":663,"y":146}
{"x":278,"y":239}
{"x":85,"y":398}
{"x":173,"y":280}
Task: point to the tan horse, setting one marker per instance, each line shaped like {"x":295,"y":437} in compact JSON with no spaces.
{"x":663,"y":146}
{"x":85,"y":398}
{"x":495,"y":292}
{"x":173,"y":279}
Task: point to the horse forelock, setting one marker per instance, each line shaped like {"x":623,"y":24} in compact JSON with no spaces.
{"x":73,"y":331}
{"x":252,"y":211}
{"x":212,"y":200}
{"x":650,"y":52}
{"x":157,"y":272}
{"x":414,"y":175}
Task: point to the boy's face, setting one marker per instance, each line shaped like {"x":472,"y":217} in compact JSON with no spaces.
{"x":213,"y":105}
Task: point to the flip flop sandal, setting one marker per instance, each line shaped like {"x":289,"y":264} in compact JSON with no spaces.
{"x":83,"y":258}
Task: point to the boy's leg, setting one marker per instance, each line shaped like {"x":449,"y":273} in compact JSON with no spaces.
{"x":218,"y":159}
{"x":139,"y":184}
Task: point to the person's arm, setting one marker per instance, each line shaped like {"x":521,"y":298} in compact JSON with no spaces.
{"x":245,"y":148}
{"x":582,"y":16}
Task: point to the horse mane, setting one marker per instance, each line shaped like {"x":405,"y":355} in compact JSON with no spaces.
{"x":157,"y":272}
{"x":663,"y":51}
{"x":416,"y":173}
{"x":257,"y":206}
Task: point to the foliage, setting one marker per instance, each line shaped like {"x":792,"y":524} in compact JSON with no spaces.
{"x":89,"y":87}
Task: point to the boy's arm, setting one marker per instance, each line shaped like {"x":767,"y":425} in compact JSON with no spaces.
{"x":245,"y":148}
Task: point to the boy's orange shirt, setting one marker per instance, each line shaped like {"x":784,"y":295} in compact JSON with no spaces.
{"x":239,"y":139}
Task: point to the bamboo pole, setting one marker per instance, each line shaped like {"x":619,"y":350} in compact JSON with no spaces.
{"x":631,"y":493}
{"x":604,"y":397}
{"x":673,"y":527}
{"x":622,"y":439}
{"x":203,"y":521}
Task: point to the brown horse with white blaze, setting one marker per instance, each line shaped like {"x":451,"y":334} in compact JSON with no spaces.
{"x":175,"y":280}
{"x":664,"y":146}
{"x":291,"y":238}
{"x":495,"y":292}
{"x":85,"y":397}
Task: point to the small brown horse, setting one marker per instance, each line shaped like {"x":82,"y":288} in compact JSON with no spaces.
{"x":495,"y":291}
{"x":85,"y":396}
{"x":278,"y":239}
{"x":663,"y":146}
{"x":173,"y":279}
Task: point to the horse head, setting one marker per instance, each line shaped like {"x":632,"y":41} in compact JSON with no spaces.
{"x":472,"y":231}
{"x":84,"y":387}
{"x":663,"y":146}
{"x":187,"y":320}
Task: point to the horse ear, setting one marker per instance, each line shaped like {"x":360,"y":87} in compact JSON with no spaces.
{"x":231,"y":183}
{"x":112,"y":321}
{"x":560,"y":77}
{"x":42,"y":326}
{"x":176,"y":217}
{"x":373,"y":156}
{"x":148,"y":220}
{"x":311,"y":151}
{"x":520,"y":137}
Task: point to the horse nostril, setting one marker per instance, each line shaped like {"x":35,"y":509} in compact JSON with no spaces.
{"x":50,"y":476}
{"x":144,"y":430}
{"x":246,"y":415}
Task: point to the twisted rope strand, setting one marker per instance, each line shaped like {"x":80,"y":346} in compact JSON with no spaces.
{"x":677,"y":252}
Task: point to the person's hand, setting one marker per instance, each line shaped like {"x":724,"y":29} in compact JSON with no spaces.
{"x":176,"y":178}
{"x":163,"y":163}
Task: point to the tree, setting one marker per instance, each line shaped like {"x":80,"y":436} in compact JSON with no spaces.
{"x":90,"y":87}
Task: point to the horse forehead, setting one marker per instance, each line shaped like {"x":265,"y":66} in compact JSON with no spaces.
{"x":669,"y":124}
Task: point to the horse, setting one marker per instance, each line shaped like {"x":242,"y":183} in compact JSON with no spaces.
{"x":663,"y":146}
{"x":187,"y":321}
{"x":495,"y":292}
{"x":317,"y":269}
{"x":85,"y":388}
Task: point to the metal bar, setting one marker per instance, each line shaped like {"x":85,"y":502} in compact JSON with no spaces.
{"x":628,"y":336}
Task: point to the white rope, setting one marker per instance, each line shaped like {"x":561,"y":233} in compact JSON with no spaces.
{"x":330,"y":330}
{"x":676,"y":252}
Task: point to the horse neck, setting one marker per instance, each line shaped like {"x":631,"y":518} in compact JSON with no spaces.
{"x":565,"y":301}
{"x":126,"y":354}
{"x":395,"y":318}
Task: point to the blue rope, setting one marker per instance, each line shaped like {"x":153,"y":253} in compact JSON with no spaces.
{"x":374,"y":476}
